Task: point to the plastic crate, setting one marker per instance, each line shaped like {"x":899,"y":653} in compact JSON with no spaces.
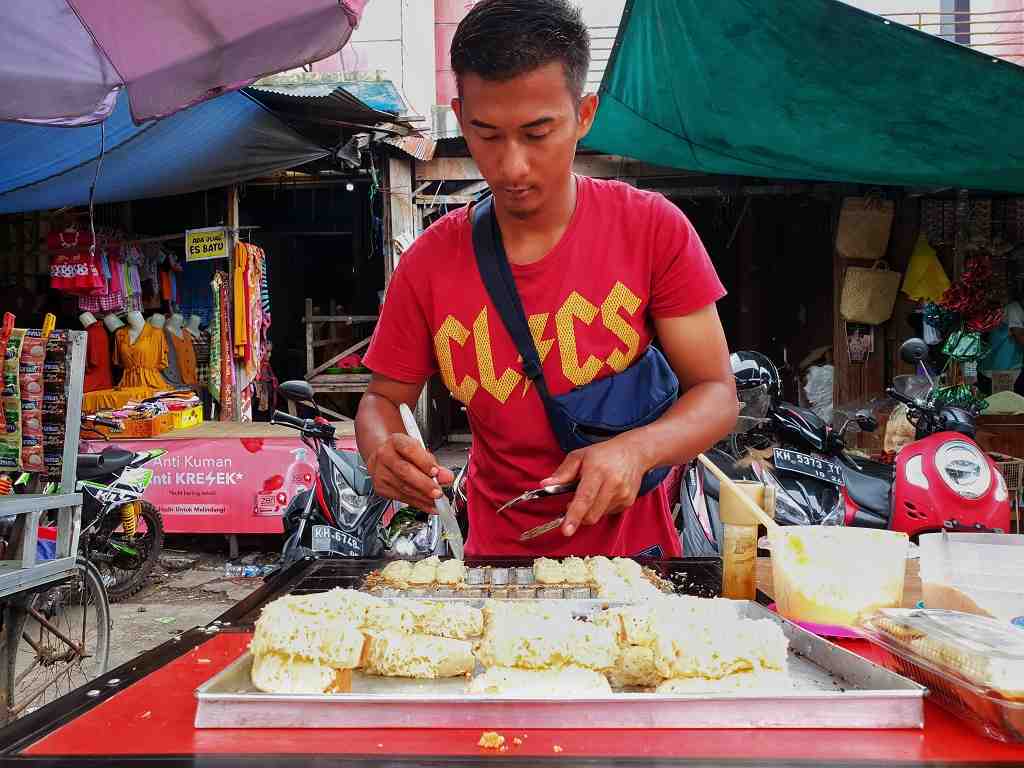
{"x":190,"y":417}
{"x":141,"y":428}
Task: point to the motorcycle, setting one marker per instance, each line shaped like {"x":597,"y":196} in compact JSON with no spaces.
{"x":340,"y":515}
{"x":122,"y":534}
{"x":941,"y":481}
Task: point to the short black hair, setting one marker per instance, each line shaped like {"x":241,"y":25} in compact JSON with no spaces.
{"x":502,"y":39}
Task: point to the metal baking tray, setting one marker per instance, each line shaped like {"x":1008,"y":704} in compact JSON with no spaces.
{"x":834,"y":689}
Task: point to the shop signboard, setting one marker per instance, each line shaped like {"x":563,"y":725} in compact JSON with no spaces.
{"x":207,"y":243}
{"x":225,"y":485}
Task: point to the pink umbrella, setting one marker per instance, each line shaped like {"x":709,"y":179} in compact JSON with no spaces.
{"x":62,"y":62}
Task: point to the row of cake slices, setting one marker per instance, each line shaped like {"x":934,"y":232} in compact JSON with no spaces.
{"x":313,"y":643}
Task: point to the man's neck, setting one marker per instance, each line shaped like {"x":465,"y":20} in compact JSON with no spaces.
{"x":528,"y":239}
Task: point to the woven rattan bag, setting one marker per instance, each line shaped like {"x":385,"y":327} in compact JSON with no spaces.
{"x":869,"y":294}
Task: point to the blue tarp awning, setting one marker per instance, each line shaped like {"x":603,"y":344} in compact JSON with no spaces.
{"x":223,"y":141}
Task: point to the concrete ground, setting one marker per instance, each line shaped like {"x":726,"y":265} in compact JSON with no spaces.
{"x":188,"y":589}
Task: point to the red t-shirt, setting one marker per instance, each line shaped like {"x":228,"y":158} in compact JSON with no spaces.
{"x":627,"y":257}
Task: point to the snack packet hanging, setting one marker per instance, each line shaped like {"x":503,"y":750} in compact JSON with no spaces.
{"x":10,"y":402}
{"x":5,"y":334}
{"x":55,"y":381}
{"x":30,"y":377}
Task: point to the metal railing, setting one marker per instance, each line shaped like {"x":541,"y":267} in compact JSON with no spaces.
{"x":999,"y":33}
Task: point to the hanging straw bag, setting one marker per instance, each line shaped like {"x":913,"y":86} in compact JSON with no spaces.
{"x":864,"y":227}
{"x":869,"y":294}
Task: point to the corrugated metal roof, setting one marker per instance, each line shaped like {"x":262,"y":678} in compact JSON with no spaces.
{"x":319,"y":101}
{"x":420,"y":147}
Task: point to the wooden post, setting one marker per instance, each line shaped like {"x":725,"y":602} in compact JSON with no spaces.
{"x":400,"y":210}
{"x":310,"y":359}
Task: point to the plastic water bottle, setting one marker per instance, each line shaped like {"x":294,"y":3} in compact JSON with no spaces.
{"x":233,"y":570}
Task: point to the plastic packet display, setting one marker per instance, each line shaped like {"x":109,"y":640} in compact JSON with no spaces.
{"x":10,"y":401}
{"x":55,"y":382}
{"x":30,"y":376}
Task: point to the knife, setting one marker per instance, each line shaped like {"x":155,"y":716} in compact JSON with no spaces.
{"x":444,"y":510}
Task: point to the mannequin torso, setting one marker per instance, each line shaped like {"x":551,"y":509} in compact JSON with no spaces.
{"x":136,"y":324}
{"x":113,"y":322}
{"x":174,"y":325}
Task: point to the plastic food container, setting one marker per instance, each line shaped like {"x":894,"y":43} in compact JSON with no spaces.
{"x":981,"y":573}
{"x":832,"y":575}
{"x":973,"y":665}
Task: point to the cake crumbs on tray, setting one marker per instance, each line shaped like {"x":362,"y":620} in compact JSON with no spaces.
{"x":491,"y":740}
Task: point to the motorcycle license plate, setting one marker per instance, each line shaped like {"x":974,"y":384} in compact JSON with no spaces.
{"x":326,"y":538}
{"x":812,"y":466}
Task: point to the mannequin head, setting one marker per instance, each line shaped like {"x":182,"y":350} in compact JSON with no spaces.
{"x":176,"y":320}
{"x":193,"y":325}
{"x":113,"y":322}
{"x":87,"y":319}
{"x":157,"y":320}
{"x":135,"y":320}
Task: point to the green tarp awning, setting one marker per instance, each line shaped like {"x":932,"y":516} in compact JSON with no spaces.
{"x":808,"y":89}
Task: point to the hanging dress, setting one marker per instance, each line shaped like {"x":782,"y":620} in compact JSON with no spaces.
{"x":185,"y":352}
{"x":172,"y":373}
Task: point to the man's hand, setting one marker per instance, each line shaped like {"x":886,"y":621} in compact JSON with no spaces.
{"x":404,"y":470}
{"x":610,"y":473}
{"x":400,"y":467}
{"x":609,"y":476}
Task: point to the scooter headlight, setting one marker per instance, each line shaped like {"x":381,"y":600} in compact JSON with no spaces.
{"x":353,"y":503}
{"x":963,"y":468}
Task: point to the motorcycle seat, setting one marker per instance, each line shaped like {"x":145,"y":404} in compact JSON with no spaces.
{"x":870,"y":490}
{"x":108,"y":462}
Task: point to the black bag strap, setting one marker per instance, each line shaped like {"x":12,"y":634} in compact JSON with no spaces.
{"x":497,"y":277}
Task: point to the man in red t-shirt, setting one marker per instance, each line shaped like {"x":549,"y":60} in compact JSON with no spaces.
{"x":602,"y":268}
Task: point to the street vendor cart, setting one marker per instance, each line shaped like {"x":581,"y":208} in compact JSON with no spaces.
{"x":145,"y":712}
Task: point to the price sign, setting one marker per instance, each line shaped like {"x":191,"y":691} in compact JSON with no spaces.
{"x":207,"y":243}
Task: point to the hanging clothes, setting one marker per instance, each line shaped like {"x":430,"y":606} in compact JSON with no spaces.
{"x":254,"y":313}
{"x":98,"y":373}
{"x":227,"y":368}
{"x":240,"y":282}
{"x":202,"y":348}
{"x":73,"y":266}
{"x":216,"y":351}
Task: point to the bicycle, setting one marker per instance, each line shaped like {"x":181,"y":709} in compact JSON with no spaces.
{"x":55,"y":633}
{"x":54,"y":639}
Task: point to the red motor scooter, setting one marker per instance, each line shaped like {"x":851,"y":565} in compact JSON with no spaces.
{"x":941,"y":481}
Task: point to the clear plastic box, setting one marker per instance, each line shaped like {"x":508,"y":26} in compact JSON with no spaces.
{"x":981,"y":573}
{"x":972,"y":665}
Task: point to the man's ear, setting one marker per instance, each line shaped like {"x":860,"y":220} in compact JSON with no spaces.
{"x":587,"y":113}
{"x":457,"y":109}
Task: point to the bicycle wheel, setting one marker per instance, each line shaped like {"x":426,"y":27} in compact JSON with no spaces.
{"x":57,"y":639}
